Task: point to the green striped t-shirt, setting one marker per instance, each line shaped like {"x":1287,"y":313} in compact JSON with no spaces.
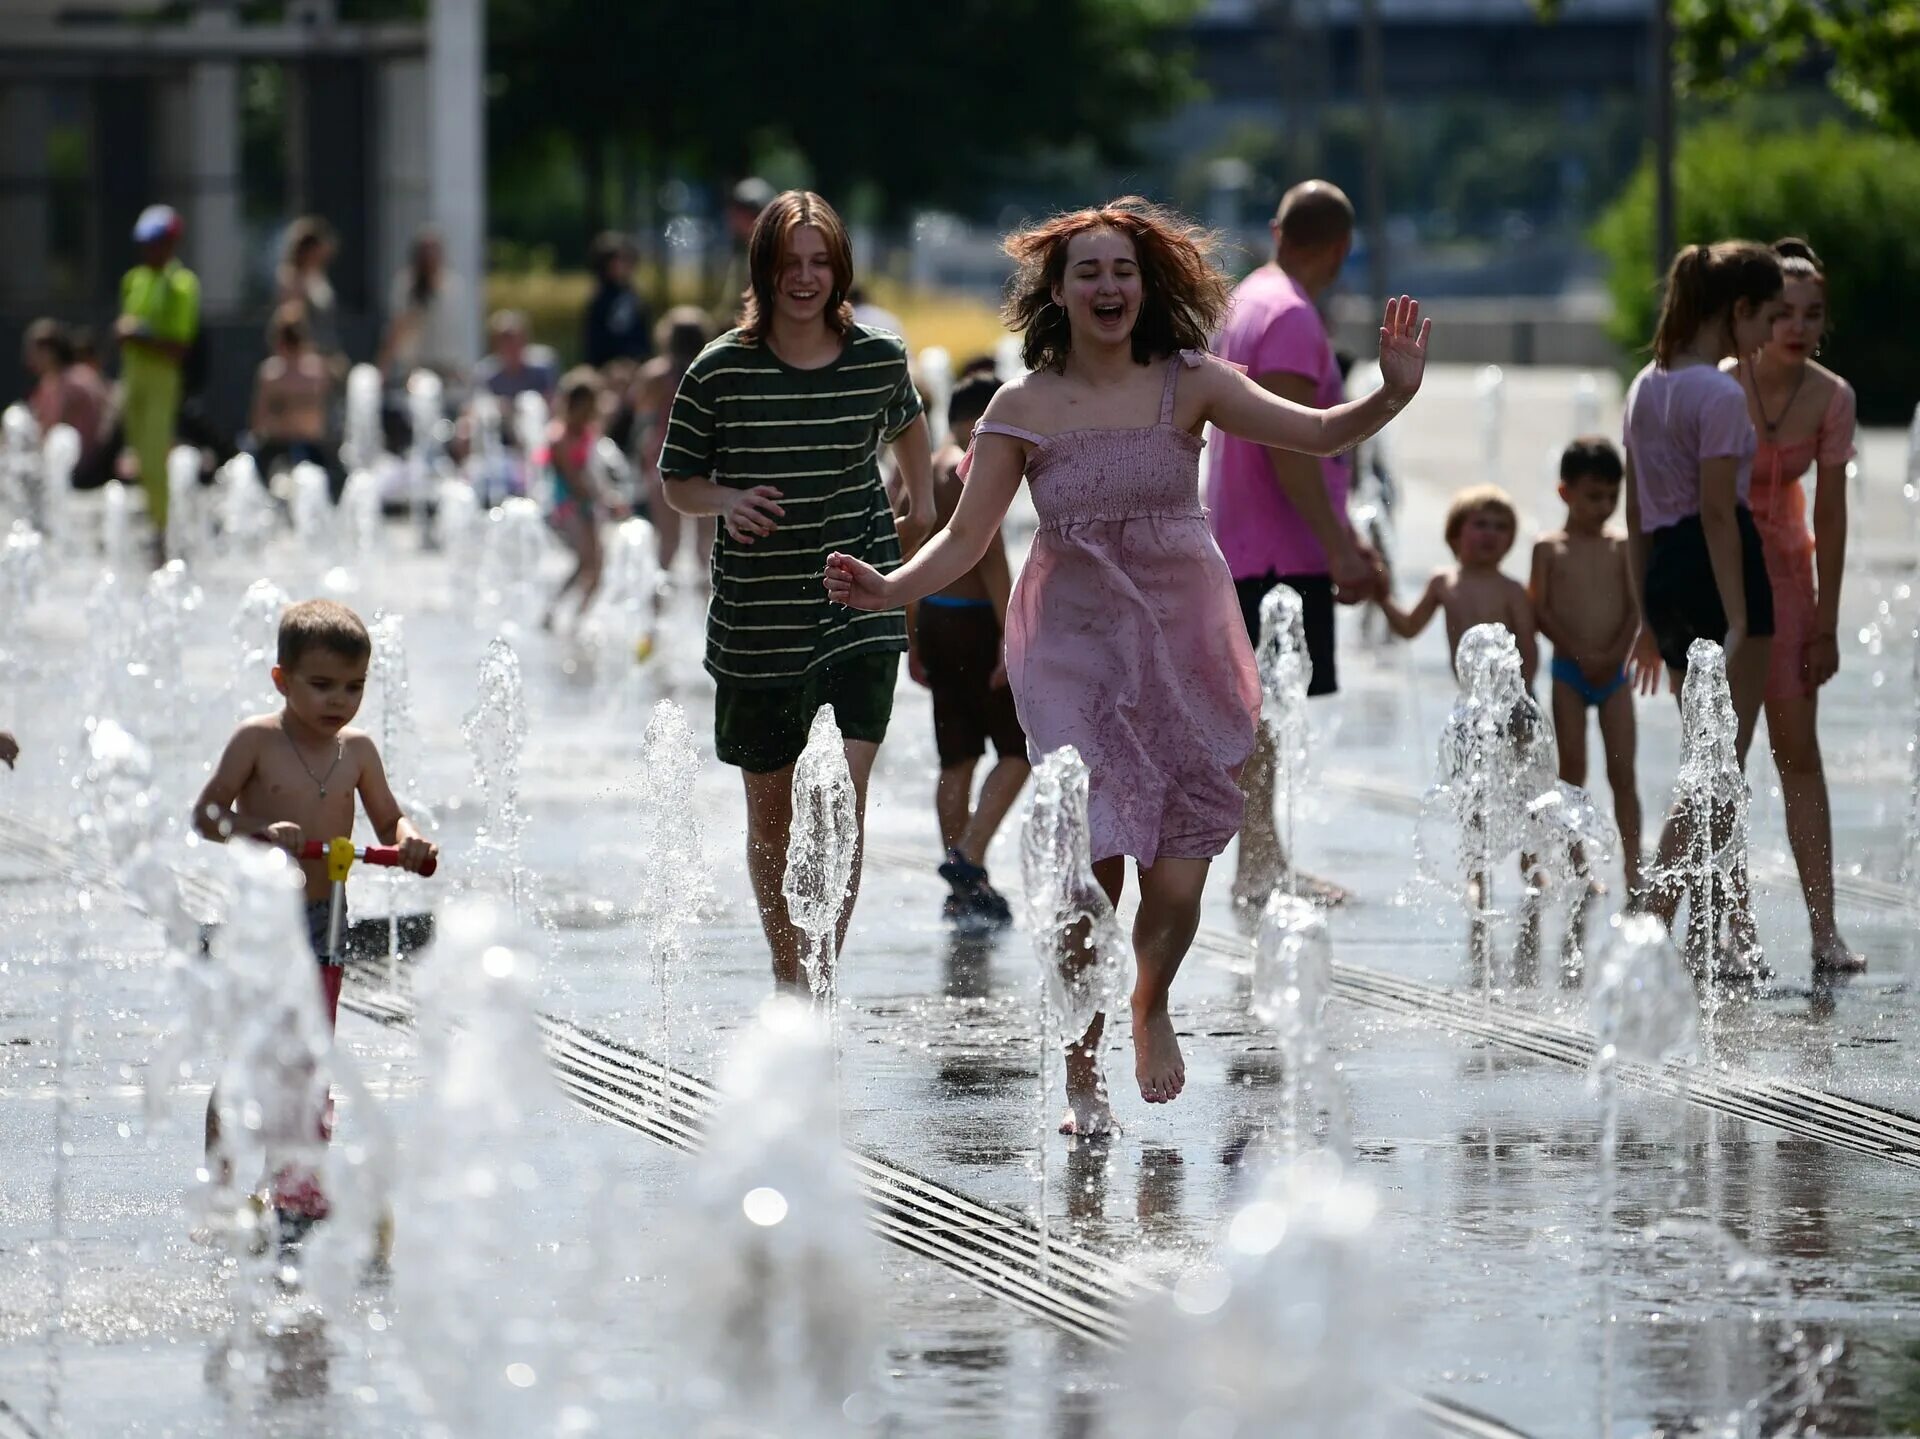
{"x":743,"y":418}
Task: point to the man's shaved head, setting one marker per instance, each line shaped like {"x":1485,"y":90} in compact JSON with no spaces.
{"x":1313,"y":215}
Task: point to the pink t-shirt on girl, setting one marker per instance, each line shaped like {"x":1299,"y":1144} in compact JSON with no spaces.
{"x":1273,"y":326}
{"x":1675,"y":419}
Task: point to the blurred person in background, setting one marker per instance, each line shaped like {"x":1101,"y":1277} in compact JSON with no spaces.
{"x":749,"y":198}
{"x":293,"y":400}
{"x":683,"y":334}
{"x":302,"y":280}
{"x":514,"y":365}
{"x":618,"y":325}
{"x":423,"y":328}
{"x":66,"y":392}
{"x":158,"y":325}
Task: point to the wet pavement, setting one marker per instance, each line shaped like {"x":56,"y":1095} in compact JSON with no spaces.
{"x":1745,"y":1250}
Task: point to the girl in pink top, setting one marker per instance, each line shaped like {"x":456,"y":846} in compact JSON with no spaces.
{"x":1695,"y":550}
{"x":1123,"y":635}
{"x":578,"y":500}
{"x":1804,"y":415}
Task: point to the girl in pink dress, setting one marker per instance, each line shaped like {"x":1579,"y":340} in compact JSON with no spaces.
{"x":1803,"y":414}
{"x":1124,"y":637}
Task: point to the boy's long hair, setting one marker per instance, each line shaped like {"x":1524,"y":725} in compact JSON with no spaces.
{"x":1182,"y":295}
{"x":1474,"y":500}
{"x":325,"y":625}
{"x":787,"y":213}
{"x":1703,"y":284}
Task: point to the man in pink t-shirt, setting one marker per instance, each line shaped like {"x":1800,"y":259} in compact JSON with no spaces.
{"x":1281,"y":517}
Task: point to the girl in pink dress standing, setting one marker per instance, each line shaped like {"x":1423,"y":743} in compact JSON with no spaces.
{"x":1124,"y":637}
{"x":1803,"y":414}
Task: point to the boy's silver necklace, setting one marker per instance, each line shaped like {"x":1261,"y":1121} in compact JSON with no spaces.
{"x":320,"y":780}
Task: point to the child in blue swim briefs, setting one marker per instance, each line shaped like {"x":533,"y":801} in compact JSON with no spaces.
{"x":1583,"y":603}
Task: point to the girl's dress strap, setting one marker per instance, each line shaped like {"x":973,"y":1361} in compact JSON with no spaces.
{"x":994,"y":427}
{"x":1192,"y":360}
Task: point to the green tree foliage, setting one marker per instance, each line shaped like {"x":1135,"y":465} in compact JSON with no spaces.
{"x":920,"y":102}
{"x":1872,"y":46}
{"x":1855,"y":197}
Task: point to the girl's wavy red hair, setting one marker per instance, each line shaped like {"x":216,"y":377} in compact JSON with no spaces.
{"x":1183,"y":295}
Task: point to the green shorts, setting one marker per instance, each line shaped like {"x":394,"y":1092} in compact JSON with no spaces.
{"x":764,"y":729}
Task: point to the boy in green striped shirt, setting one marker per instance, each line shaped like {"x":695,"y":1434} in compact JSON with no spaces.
{"x":776,"y":429}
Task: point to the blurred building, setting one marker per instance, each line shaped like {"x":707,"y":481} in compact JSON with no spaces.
{"x":110,"y":105}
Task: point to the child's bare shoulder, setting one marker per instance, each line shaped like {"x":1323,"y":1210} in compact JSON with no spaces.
{"x":359,"y":743}
{"x":1551,"y":543}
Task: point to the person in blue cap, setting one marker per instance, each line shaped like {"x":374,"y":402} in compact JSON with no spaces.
{"x":159,"y":318}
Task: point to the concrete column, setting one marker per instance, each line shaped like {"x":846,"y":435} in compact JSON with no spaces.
{"x":403,"y":204}
{"x":457,"y":147}
{"x":215,"y":244}
{"x":26,"y":209}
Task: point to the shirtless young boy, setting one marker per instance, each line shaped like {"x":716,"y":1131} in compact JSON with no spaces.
{"x":1481,"y":529}
{"x":1583,"y":602}
{"x":293,"y":776}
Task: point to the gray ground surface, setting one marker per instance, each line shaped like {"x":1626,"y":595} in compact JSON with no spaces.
{"x":1485,"y":1154}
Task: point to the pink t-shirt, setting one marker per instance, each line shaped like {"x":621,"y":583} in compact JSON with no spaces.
{"x":1674,"y":420}
{"x":1273,"y":326}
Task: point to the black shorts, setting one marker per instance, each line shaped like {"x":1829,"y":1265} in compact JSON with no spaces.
{"x":959,"y":648}
{"x":764,"y":729}
{"x":1316,"y":604}
{"x":1683,"y":602}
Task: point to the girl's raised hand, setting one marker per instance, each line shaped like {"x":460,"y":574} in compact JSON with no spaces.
{"x":855,"y":584}
{"x":1403,"y":345}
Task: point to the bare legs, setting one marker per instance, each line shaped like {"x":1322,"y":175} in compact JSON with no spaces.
{"x":1617,"y":742}
{"x":583,"y":534}
{"x":1163,"y":931}
{"x":769,"y":817}
{"x":1262,"y":858}
{"x":1792,"y":731}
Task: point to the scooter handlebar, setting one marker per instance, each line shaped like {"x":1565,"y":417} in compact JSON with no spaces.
{"x":387,"y":856}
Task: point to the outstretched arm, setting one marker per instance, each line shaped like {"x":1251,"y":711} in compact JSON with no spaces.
{"x":997,"y":464}
{"x":1408,"y":623}
{"x":1238,"y":405}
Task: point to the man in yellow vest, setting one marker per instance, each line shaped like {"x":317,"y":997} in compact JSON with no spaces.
{"x":159,"y":318}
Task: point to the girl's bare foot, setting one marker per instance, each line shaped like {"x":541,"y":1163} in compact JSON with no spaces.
{"x":1156,"y":1056}
{"x":1088,"y":1114}
{"x":1833,"y":957}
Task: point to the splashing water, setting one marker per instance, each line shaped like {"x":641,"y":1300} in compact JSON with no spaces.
{"x":246,"y":510}
{"x":1290,"y":1330}
{"x":399,"y":738}
{"x":426,"y":409}
{"x":1496,"y":759}
{"x":256,"y":648}
{"x":821,"y":848}
{"x":116,"y":527}
{"x":1710,"y":800}
{"x":621,"y":624}
{"x":20,"y":463}
{"x":1082,"y":955}
{"x":456,"y":528}
{"x":365,"y":439}
{"x":314,"y":518}
{"x":671,"y":888}
{"x":22,"y":569}
{"x":496,"y":731}
{"x":771,"y":1242}
{"x":1285,"y":672}
{"x":516,"y":542}
{"x":1644,"y":1009}
{"x":159,"y":644}
{"x":1490,"y":399}
{"x":1910,"y":855}
{"x":1292,"y":982}
{"x":465,"y":1276}
{"x":189,"y":531}
{"x":59,"y":457}
{"x":360,"y":504}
